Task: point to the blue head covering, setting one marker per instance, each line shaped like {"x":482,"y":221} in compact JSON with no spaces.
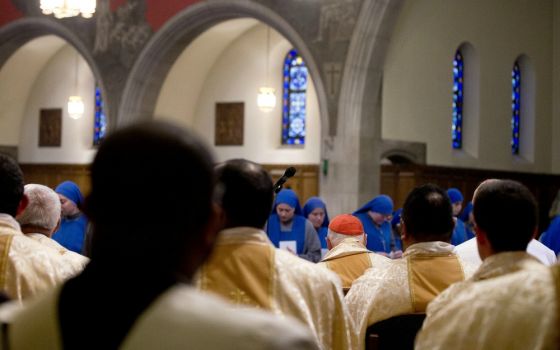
{"x":455,"y":195}
{"x":396,"y":217}
{"x":381,"y":204}
{"x":288,"y":197}
{"x":314,"y":203}
{"x":465,"y":214}
{"x":71,"y":191}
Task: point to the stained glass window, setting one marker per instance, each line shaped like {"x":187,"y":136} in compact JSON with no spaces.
{"x":294,"y":99}
{"x":457,"y":122}
{"x":100,"y":121}
{"x":515,"y":107}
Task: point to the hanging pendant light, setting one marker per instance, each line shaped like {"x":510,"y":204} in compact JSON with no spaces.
{"x":68,"y":8}
{"x":75,"y":103}
{"x":266,"y":98}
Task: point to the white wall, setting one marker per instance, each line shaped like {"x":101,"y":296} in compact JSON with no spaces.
{"x":17,"y":77}
{"x":51,"y":90}
{"x":417,"y":91}
{"x":238,"y":70}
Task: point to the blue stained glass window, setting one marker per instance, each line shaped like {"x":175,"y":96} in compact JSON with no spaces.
{"x":515,"y":107}
{"x":457,"y":121}
{"x":294,"y":99}
{"x":100,"y":121}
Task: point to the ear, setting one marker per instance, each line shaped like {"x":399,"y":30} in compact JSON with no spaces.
{"x":404,"y":232}
{"x":535,"y":233}
{"x":365,"y":239}
{"x":22,"y":204}
{"x":329,"y":244}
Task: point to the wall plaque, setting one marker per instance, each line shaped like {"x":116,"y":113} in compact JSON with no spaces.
{"x":229,"y":124}
{"x":50,"y":127}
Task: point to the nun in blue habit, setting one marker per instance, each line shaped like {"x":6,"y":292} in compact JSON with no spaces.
{"x":551,"y":237}
{"x":459,"y":234}
{"x":315,"y":210}
{"x":73,"y":222}
{"x":375,"y":216}
{"x":288,"y":229}
{"x":465,"y":217}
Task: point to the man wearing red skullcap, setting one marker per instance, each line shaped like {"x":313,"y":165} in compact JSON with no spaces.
{"x":348,"y":255}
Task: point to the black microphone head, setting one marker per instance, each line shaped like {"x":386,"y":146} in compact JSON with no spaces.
{"x":291,"y":171}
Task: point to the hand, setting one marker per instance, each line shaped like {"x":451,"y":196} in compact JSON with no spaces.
{"x":383,"y":253}
{"x":396,"y":254}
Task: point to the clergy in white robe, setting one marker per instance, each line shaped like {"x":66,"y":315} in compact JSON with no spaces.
{"x":511,"y":302}
{"x":246,"y":269}
{"x":468,"y":251}
{"x":41,"y":219}
{"x":27,"y":268}
{"x":428,"y":266}
{"x":348,"y":256}
{"x":181,"y":318}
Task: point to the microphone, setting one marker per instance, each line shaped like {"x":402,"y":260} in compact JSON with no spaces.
{"x":291,"y":171}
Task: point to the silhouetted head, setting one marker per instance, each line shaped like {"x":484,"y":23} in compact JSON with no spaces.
{"x":151,"y":198}
{"x":505,"y":215}
{"x":427,"y":215}
{"x":11,"y":185}
{"x":247,"y":193}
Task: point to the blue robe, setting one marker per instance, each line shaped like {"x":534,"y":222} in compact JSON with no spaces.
{"x":296,"y":234}
{"x":71,"y":233}
{"x":551,"y":238}
{"x":459,"y":233}
{"x":379,"y":239}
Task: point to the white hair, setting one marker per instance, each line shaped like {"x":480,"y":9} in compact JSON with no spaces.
{"x":43,"y":210}
{"x":336,"y":238}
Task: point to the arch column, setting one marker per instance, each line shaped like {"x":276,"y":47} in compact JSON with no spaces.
{"x":354,"y":153}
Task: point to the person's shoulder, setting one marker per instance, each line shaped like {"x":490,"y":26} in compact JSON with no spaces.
{"x":183,"y":316}
{"x":305,"y":272}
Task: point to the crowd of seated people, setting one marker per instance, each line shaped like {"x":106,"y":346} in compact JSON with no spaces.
{"x":203,"y":255}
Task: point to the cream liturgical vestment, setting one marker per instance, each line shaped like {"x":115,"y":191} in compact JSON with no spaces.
{"x":75,"y":262}
{"x":180,"y":318}
{"x":404,"y":286}
{"x":350,"y":259}
{"x":28,"y":268}
{"x":246,"y":269}
{"x":510,"y":303}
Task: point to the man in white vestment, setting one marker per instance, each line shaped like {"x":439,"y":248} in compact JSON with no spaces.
{"x":41,"y":219}
{"x":144,"y":255}
{"x":246,"y":269}
{"x":511,"y":302}
{"x":468,"y":251}
{"x":27,"y":268}
{"x":428,"y":266}
{"x":348,"y":256}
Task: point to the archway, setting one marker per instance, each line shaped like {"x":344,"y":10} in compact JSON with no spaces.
{"x":155,"y":61}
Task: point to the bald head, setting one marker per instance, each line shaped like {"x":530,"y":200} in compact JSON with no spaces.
{"x":507,"y":213}
{"x":247,"y":193}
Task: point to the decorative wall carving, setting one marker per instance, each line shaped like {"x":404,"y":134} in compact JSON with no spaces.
{"x":50,"y":127}
{"x":229,"y":124}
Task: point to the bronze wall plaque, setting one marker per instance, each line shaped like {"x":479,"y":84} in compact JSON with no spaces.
{"x":50,"y":127}
{"x":229,"y":124}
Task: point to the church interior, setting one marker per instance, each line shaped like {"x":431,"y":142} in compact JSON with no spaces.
{"x":378,"y":104}
{"x":362,"y":97}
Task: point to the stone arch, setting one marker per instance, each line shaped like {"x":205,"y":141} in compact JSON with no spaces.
{"x":16,"y":34}
{"x":158,"y":56}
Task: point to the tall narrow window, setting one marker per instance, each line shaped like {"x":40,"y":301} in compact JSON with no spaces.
{"x":515,"y":107}
{"x":293,"y":99}
{"x":457,"y":121}
{"x":100,"y":121}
